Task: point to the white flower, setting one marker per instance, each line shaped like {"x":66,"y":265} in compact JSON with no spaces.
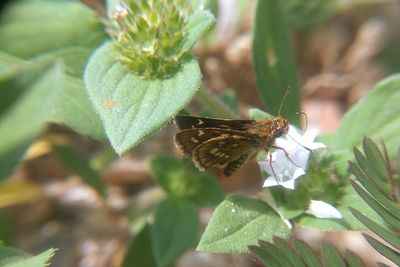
{"x":120,"y":12}
{"x":323,"y":210}
{"x":290,"y":162}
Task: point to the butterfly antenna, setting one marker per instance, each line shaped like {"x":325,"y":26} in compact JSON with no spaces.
{"x":309,"y":149}
{"x":283,"y":100}
{"x":305,"y":116}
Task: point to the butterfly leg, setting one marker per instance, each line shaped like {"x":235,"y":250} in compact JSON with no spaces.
{"x":272,"y":168}
{"x":287,"y":155}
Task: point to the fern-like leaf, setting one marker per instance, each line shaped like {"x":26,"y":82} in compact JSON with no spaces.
{"x":281,"y":253}
{"x":378,"y":186}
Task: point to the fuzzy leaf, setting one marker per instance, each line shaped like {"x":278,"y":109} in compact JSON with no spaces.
{"x":274,"y":64}
{"x":132,"y":108}
{"x":376,"y":115}
{"x":53,"y":97}
{"x":10,"y":257}
{"x":239,"y":222}
{"x":198,"y":23}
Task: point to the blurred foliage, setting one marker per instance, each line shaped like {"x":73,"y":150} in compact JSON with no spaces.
{"x":180,"y":179}
{"x":303,"y":14}
{"x":273,"y":60}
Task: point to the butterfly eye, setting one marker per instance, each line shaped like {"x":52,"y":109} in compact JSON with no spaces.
{"x":276,"y":125}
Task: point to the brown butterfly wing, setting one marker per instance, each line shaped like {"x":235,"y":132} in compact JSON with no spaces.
{"x":234,"y":165}
{"x":188,"y":139}
{"x":222,"y":151}
{"x":191,"y":122}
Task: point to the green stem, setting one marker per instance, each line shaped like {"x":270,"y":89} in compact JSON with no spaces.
{"x":220,"y":110}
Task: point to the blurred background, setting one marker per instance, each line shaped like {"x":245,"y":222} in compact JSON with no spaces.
{"x":340,"y":53}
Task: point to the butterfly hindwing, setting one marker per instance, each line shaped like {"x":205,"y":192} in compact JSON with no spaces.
{"x":235,"y":164}
{"x":187,"y":140}
{"x":221,"y":151}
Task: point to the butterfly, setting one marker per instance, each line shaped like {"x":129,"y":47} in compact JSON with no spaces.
{"x":226,"y":144}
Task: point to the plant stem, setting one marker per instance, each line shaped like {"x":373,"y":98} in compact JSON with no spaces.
{"x":220,"y":109}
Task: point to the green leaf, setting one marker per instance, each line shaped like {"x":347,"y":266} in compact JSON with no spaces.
{"x":276,"y":253}
{"x":285,"y":254}
{"x":264,"y":256}
{"x":258,"y":114}
{"x":10,"y":257}
{"x":375,"y":158}
{"x":373,"y":203}
{"x":11,"y":66}
{"x":371,"y":172}
{"x":198,"y":23}
{"x":48,"y":25}
{"x":306,"y":14}
{"x":375,"y":115}
{"x":368,"y":184}
{"x":80,"y":165}
{"x":132,"y":108}
{"x":376,"y":228}
{"x":239,"y":222}
{"x":307,"y":254}
{"x":274,"y":63}
{"x":139,"y":253}
{"x":386,"y":251}
{"x":331,"y":257}
{"x":7,"y":229}
{"x":352,"y":260}
{"x":288,"y":251}
{"x":174,"y":230}
{"x":182,"y":180}
{"x":52,"y":97}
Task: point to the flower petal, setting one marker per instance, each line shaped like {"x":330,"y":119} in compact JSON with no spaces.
{"x":270,"y":181}
{"x":288,"y":184}
{"x":323,"y":210}
{"x":298,"y":172}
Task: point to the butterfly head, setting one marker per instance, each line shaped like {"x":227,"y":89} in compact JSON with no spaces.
{"x":280,"y":126}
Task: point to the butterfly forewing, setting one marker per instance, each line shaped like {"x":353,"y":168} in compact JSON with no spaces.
{"x":188,"y":139}
{"x":191,"y":122}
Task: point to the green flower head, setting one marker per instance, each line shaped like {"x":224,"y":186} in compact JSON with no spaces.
{"x":149,"y":35}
